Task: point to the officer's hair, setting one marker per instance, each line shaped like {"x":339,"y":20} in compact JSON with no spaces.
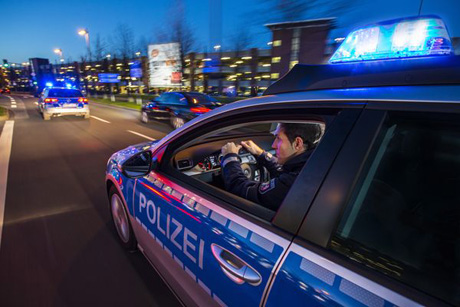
{"x":309,"y":133}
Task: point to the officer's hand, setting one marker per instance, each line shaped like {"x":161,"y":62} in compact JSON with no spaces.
{"x":252,"y":147}
{"x":230,"y":148}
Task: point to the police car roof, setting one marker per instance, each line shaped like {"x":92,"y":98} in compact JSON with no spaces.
{"x":440,"y":70}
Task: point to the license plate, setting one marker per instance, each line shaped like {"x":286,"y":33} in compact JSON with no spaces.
{"x":69,"y":105}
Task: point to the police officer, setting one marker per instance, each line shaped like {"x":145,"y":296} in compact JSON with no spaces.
{"x":293,"y":145}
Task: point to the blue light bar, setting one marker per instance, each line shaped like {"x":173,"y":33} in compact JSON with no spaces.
{"x":401,"y":38}
{"x":49,"y":84}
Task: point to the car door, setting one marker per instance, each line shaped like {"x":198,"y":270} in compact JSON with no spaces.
{"x":383,"y":229}
{"x":211,"y":247}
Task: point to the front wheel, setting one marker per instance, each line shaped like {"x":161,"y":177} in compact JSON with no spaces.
{"x":177,"y":122}
{"x":120,"y":220}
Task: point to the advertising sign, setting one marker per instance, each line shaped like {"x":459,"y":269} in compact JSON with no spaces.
{"x":109,"y":78}
{"x":165,"y":65}
{"x":136,"y":69}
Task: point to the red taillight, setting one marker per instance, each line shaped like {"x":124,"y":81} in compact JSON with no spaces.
{"x":200,"y":110}
{"x":85,"y":100}
{"x":49,"y":100}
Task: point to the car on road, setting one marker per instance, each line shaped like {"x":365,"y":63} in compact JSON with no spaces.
{"x":177,"y":107}
{"x":62,"y":101}
{"x":372,"y":218}
{"x":5,"y":91}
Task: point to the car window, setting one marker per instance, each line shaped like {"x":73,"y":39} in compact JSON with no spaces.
{"x":197,"y":98}
{"x":64,"y":93}
{"x":201,"y":160}
{"x":403,"y":217}
{"x":174,"y":98}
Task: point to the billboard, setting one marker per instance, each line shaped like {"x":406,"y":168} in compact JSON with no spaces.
{"x":109,"y":78}
{"x":165,"y":65}
{"x":136,"y":69}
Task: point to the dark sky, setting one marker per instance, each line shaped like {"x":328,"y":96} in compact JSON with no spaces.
{"x":35,"y":28}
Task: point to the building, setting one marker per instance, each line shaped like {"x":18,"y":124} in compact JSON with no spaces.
{"x":299,"y":42}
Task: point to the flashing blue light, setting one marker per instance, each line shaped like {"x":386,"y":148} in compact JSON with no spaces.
{"x":68,"y":85}
{"x":49,"y":84}
{"x":401,"y":38}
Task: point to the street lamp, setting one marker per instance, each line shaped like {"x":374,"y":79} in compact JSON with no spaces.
{"x":138,"y":53}
{"x":58,"y":51}
{"x":85,"y":33}
{"x":217,"y":47}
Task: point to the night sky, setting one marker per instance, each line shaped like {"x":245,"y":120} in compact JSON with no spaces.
{"x":35,"y":28}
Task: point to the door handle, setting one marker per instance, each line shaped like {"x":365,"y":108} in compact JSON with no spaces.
{"x":235,"y":268}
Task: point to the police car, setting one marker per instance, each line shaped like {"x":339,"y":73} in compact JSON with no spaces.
{"x":61,"y":101}
{"x":371,"y":220}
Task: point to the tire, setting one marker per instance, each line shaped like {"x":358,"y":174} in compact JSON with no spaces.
{"x":46,"y":116}
{"x":120,"y":220}
{"x":177,"y":122}
{"x":144,"y":117}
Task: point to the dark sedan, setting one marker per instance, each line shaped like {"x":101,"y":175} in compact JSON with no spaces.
{"x":177,"y":107}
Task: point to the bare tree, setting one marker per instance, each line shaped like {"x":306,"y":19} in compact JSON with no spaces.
{"x":296,"y":10}
{"x":178,"y":30}
{"x":99,"y":48}
{"x":123,"y":41}
{"x":142,"y":45}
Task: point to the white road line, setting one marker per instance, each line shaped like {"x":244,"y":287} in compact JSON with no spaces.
{"x":6,"y":139}
{"x":14,"y":106}
{"x":102,"y":120}
{"x":36,"y":103}
{"x":140,"y":134}
{"x":13,"y":102}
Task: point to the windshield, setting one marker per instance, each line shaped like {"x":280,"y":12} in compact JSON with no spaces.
{"x":64,"y":93}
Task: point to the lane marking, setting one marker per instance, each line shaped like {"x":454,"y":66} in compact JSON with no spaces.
{"x":100,"y":119}
{"x":14,"y":106}
{"x":142,"y":135}
{"x":6,"y":140}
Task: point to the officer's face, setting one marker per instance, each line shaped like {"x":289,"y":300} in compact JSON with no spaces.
{"x":284,"y":149}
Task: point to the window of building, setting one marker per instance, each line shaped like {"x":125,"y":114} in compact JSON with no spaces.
{"x":275,"y":75}
{"x":403,"y":217}
{"x":277,"y":43}
{"x":276,"y":59}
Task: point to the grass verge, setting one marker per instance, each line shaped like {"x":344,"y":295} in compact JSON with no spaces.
{"x":3,"y":113}
{"x":131,"y":105}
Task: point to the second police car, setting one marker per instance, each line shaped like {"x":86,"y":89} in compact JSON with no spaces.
{"x":62,"y":101}
{"x":373,"y":217}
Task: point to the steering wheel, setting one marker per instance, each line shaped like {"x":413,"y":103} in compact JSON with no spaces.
{"x":253,"y":171}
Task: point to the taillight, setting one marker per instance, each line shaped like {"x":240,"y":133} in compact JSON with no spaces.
{"x":85,"y":100}
{"x":200,"y":110}
{"x":49,"y":100}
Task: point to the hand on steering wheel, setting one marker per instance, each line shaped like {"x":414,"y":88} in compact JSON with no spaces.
{"x":252,"y":147}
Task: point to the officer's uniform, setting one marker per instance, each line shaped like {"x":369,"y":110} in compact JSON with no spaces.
{"x":268,"y":194}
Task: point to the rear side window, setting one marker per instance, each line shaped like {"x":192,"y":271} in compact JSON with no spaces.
{"x":64,"y":93}
{"x":404,"y":215}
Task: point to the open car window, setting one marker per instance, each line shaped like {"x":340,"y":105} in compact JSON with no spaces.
{"x":200,"y":160}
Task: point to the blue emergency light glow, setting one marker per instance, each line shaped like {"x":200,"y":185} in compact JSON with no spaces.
{"x":68,"y":85}
{"x":401,"y":38}
{"x":49,"y":84}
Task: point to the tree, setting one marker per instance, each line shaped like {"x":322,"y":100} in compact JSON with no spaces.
{"x":122,"y":41}
{"x":296,"y":10}
{"x":178,"y":30}
{"x":99,"y":49}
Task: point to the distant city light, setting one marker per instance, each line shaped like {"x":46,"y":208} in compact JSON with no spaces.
{"x":225,"y":58}
{"x":270,"y":43}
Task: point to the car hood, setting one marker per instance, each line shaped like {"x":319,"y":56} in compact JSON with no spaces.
{"x":122,"y":155}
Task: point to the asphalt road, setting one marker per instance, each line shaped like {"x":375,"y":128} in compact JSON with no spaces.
{"x":58,"y":246}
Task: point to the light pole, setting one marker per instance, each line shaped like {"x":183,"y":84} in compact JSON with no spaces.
{"x":59,"y":52}
{"x":85,"y":33}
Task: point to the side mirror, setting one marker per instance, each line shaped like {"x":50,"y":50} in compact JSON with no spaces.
{"x":138,"y":165}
